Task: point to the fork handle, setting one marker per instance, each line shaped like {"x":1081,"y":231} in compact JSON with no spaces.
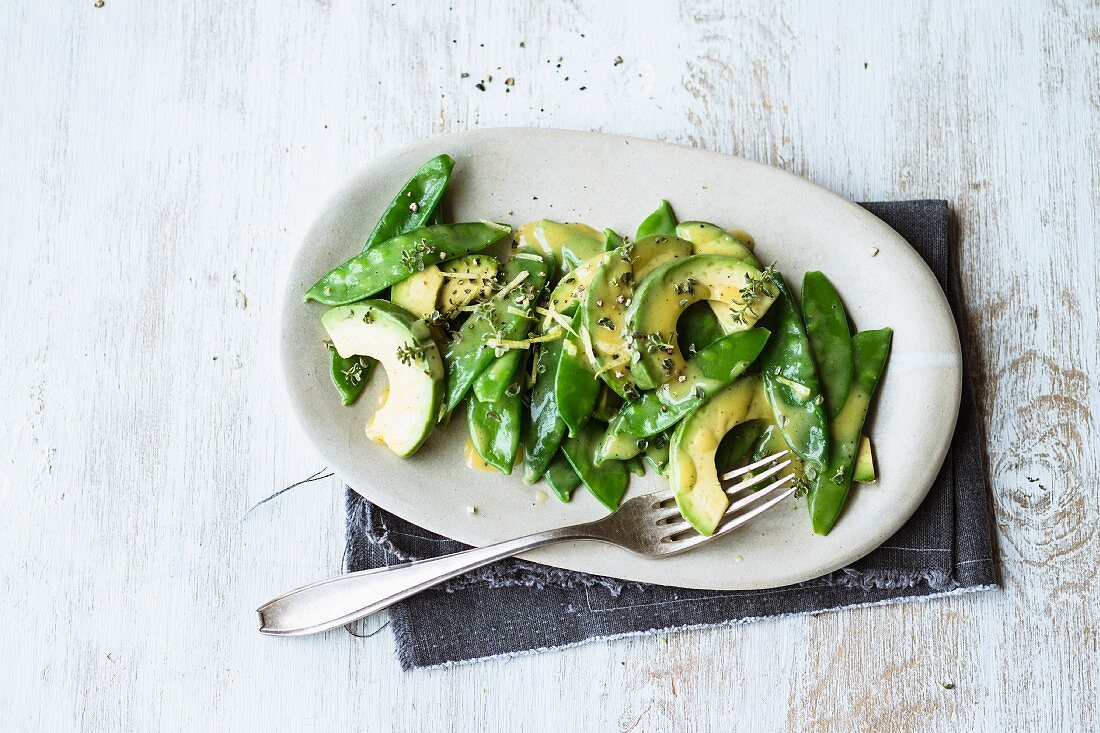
{"x":346,"y":598}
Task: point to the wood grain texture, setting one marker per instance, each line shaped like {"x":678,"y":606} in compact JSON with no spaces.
{"x":160,"y":161}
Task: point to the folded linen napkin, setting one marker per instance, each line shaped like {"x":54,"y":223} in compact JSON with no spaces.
{"x":515,"y":607}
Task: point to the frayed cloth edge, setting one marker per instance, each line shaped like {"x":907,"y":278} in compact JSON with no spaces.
{"x":404,"y":640}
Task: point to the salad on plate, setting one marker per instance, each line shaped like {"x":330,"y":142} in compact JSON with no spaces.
{"x":588,"y":356}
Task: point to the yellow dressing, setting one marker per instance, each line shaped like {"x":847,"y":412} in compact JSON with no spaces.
{"x":473,"y":459}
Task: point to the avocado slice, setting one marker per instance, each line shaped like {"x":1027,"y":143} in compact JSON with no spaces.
{"x":466,"y":280}
{"x":419,"y":292}
{"x":568,"y":244}
{"x":404,"y":347}
{"x":605,"y":302}
{"x":446,"y":287}
{"x":713,"y":240}
{"x":668,"y":291}
{"x":710,"y":239}
{"x":692,"y":471}
{"x":649,"y":253}
{"x":864,"y":471}
{"x":570,"y":289}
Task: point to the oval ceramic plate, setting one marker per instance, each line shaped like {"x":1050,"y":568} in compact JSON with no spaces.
{"x":516,"y":175}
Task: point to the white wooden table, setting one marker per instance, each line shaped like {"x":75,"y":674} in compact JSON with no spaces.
{"x":158,"y":162}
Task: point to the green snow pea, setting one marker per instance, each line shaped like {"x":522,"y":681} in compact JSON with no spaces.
{"x":545,"y":427}
{"x":561,"y":477}
{"x":576,"y":386}
{"x":396,"y":258}
{"x":709,"y":371}
{"x":492,"y":383}
{"x":415,"y":205}
{"x":608,"y":481}
{"x":611,"y":240}
{"x":830,"y":339}
{"x":791,"y":383}
{"x":769,"y":441}
{"x":349,"y":375}
{"x":826,"y":498}
{"x":635,"y":466}
{"x":661,"y":221}
{"x":736,"y":444}
{"x":656,"y":452}
{"x":470,"y":352}
{"x":607,"y":404}
{"x":698,"y":327}
{"x":495,"y":427}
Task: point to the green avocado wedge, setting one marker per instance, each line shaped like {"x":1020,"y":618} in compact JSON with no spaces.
{"x":404,"y":347}
{"x":604,"y":304}
{"x":864,"y":471}
{"x":693,"y":474}
{"x":649,"y":253}
{"x":662,"y":297}
{"x":713,"y":240}
{"x":566,"y":245}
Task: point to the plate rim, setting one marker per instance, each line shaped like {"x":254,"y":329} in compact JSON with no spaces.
{"x":351,"y":183}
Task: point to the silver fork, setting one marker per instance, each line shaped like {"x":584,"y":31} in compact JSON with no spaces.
{"x":646,"y":525}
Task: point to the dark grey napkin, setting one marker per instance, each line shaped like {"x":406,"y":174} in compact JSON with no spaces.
{"x":515,"y":606}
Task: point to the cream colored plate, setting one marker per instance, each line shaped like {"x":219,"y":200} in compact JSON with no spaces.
{"x":516,"y":175}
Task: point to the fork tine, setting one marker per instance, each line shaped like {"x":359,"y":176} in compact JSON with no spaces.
{"x":759,"y":478}
{"x":753,"y":466}
{"x":675,"y":528}
{"x":736,"y":521}
{"x":731,"y":491}
{"x":757,"y":495}
{"x":674,"y":511}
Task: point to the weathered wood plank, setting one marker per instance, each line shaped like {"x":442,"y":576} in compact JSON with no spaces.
{"x":159,"y":165}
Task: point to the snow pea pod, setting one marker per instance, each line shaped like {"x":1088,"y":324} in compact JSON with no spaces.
{"x":709,"y":371}
{"x":415,"y":205}
{"x":791,"y":383}
{"x":608,"y":481}
{"x":396,"y":258}
{"x":471,"y":351}
{"x":561,"y":477}
{"x":635,"y":466}
{"x":545,"y":427}
{"x":656,"y":453}
{"x":661,"y":221}
{"x":576,"y":386}
{"x":349,"y":375}
{"x":492,"y":383}
{"x":698,"y":327}
{"x":736,"y":444}
{"x":826,"y":498}
{"x":611,"y":240}
{"x":830,"y":339}
{"x":495,"y":426}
